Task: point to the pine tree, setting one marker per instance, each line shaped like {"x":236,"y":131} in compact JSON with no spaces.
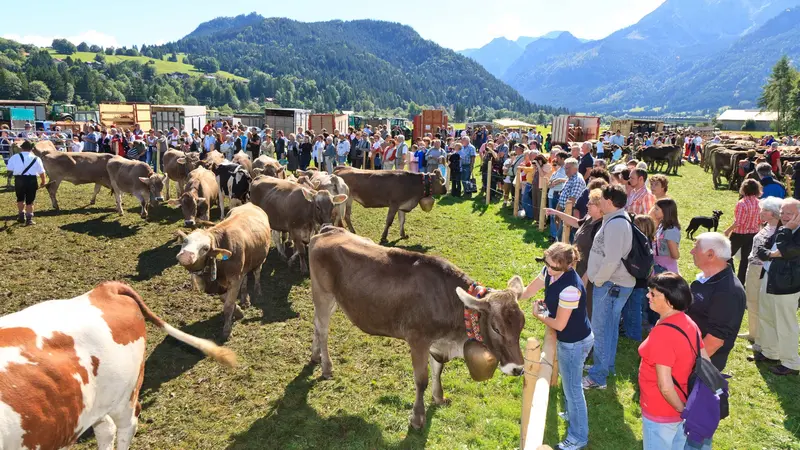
{"x":776,"y":95}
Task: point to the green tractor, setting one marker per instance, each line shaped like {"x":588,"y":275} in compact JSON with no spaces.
{"x":357,"y":122}
{"x":62,"y":112}
{"x":400,"y":125}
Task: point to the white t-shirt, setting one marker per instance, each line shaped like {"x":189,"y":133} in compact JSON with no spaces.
{"x":76,"y":147}
{"x":18,"y":163}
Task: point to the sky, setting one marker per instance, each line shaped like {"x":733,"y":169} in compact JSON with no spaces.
{"x":456,"y":24}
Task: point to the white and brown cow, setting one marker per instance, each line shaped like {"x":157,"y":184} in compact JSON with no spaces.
{"x":70,"y":365}
{"x":411,"y":296}
{"x":135,"y":178}
{"x":220,"y":258}
{"x":200,"y":193}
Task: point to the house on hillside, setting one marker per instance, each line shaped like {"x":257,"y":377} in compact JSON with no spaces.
{"x":179,"y":76}
{"x":734,"y":119}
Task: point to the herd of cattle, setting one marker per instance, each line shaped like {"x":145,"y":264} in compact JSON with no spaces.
{"x":71,"y":365}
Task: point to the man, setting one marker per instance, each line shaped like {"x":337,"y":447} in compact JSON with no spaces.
{"x":174,"y":138}
{"x":771,"y":188}
{"x":613,"y":284}
{"x":779,"y":332}
{"x":640,"y":200}
{"x":587,"y":161}
{"x":618,"y":139}
{"x":280,"y":145}
{"x":574,"y":186}
{"x":601,"y":150}
{"x":208,"y":142}
{"x":401,"y":152}
{"x":90,"y":140}
{"x":342,"y":149}
{"x":467,"y":154}
{"x":773,"y":156}
{"x":26,"y":167}
{"x":501,"y":148}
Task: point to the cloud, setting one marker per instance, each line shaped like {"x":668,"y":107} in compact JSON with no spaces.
{"x":91,"y":37}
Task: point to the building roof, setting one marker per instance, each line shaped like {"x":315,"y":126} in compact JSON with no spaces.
{"x":21,"y":102}
{"x":747,"y":114}
{"x":512,"y":123}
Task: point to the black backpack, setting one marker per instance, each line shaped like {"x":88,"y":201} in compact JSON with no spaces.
{"x":639,"y":262}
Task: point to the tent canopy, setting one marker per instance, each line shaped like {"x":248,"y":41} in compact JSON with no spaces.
{"x":512,"y":123}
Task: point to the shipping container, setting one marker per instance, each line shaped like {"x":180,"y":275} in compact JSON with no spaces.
{"x":125,"y":115}
{"x":568,"y":129}
{"x":328,"y":122}
{"x":39,"y":108}
{"x":429,"y":121}
{"x":637,"y":126}
{"x":287,"y":119}
{"x":183,"y":117}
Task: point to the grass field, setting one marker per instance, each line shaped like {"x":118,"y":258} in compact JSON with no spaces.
{"x":162,"y":65}
{"x":275,"y":400}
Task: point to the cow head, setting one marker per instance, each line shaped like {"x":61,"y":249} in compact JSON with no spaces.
{"x":323,"y":203}
{"x":192,"y":207}
{"x":197,"y":248}
{"x":188,"y":162}
{"x":501,"y":322}
{"x":270,"y":171}
{"x":438,"y":185}
{"x":155,"y":184}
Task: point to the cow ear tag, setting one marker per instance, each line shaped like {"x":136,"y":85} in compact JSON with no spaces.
{"x":222,"y":257}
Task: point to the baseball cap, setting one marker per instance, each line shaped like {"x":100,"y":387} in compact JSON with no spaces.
{"x":618,"y":169}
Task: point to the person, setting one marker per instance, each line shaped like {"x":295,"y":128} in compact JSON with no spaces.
{"x":26,"y":167}
{"x":773,"y":156}
{"x":770,"y":216}
{"x":601,"y":151}
{"x":433,"y":156}
{"x":659,"y":184}
{"x":619,"y":140}
{"x":280,"y":145}
{"x":587,"y":161}
{"x":419,"y":158}
{"x":640,"y":200}
{"x":306,"y":147}
{"x":362,"y":149}
{"x":718,"y":297}
{"x":616,"y":154}
{"x":613,"y":283}
{"x":573,"y":188}
{"x":467,"y":155}
{"x":329,"y":155}
{"x":635,"y":313}
{"x":667,"y":359}
{"x":580,"y":208}
{"x":401,"y":152}
{"x":779,"y":332}
{"x":342,"y":149}
{"x":454,"y":160}
{"x":770,"y":187}
{"x":556,"y":185}
{"x":564,"y":310}
{"x":268,"y":147}
{"x":666,"y":245}
{"x":746,"y":223}
{"x":76,"y":146}
{"x":253,"y":145}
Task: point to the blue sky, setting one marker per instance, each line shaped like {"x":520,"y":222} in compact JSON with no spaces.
{"x":455,"y":24}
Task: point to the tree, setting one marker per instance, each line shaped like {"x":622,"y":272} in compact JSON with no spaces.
{"x":63,"y":46}
{"x":101,"y":58}
{"x":776,"y":95}
{"x":131,"y":52}
{"x":119,"y":51}
{"x":10,"y":85}
{"x":38,"y":91}
{"x":95,"y":48}
{"x":83,"y":47}
{"x":207,"y":64}
{"x":749,"y":125}
{"x":460,"y":113}
{"x":110,"y":51}
{"x":173,"y":57}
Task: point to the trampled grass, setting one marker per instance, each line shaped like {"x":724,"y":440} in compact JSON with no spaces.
{"x":275,"y":400}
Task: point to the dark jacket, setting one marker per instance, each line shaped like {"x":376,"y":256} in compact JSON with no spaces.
{"x":783,"y":276}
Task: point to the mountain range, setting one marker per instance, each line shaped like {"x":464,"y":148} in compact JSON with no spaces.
{"x":686,"y":55}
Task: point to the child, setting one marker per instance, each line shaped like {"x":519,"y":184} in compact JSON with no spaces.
{"x":76,"y":146}
{"x":455,"y":169}
{"x":634,"y":313}
{"x":419,"y":157}
{"x":413,"y":165}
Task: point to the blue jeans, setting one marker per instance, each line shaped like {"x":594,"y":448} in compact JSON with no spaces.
{"x":570,"y":365}
{"x":552,"y":203}
{"x":606,"y":312}
{"x":527,"y":202}
{"x":634,"y":314}
{"x":662,"y":436}
{"x":466,"y":175}
{"x":149,"y":156}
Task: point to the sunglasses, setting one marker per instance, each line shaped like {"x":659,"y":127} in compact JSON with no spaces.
{"x":552,"y":267}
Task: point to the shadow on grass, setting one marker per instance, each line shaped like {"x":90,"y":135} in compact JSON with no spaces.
{"x":99,"y":227}
{"x":277,"y":281}
{"x":293,"y":423}
{"x":786,"y":388}
{"x":88,"y":209}
{"x":154,"y":261}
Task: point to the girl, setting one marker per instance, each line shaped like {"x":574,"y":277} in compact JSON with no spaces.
{"x":666,"y":245}
{"x":634,"y":313}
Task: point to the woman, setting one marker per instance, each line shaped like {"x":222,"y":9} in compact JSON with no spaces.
{"x":389,"y":154}
{"x":770,"y":215}
{"x":634,"y":313}
{"x":745,"y":225}
{"x":666,"y":245}
{"x":317,"y":150}
{"x":305,"y":152}
{"x":292,"y":153}
{"x":267,"y":147}
{"x":658,"y":186}
{"x":254,"y":145}
{"x":667,"y":356}
{"x":564,"y":310}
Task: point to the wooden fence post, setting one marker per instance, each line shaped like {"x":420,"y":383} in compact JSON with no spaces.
{"x":533,"y":353}
{"x":534,"y":435}
{"x":488,"y":180}
{"x":567,"y":211}
{"x":543,"y":184}
{"x":516,"y":193}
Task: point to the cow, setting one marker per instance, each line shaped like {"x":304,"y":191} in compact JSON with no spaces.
{"x":319,"y":180}
{"x":234,"y":182}
{"x":178,"y":165}
{"x":264,"y":165}
{"x":200,"y":193}
{"x":386,"y":300}
{"x":398,"y":190}
{"x":671,"y":154}
{"x":214,"y":157}
{"x":243,"y":159}
{"x":724,"y":164}
{"x":70,"y":365}
{"x":221,"y":257}
{"x":295,"y":210}
{"x":136,"y":178}
{"x":77,"y":168}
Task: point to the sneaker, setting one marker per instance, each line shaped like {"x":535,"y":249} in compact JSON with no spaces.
{"x":564,"y":416}
{"x":588,"y":383}
{"x":29,"y":221}
{"x":754,"y":348}
{"x":569,"y":444}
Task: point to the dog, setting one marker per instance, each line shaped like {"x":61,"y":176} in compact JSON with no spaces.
{"x":703,"y":221}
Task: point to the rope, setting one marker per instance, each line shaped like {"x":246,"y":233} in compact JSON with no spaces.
{"x":543,"y":361}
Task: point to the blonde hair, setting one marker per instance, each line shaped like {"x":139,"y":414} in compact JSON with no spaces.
{"x":595,"y":195}
{"x":563,"y":255}
{"x":646,"y":225}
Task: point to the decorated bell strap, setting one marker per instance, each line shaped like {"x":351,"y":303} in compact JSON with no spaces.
{"x":471,"y":316}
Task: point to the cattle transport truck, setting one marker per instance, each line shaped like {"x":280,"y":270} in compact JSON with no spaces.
{"x":568,"y":129}
{"x":328,"y":122}
{"x":125,"y":115}
{"x":183,"y":117}
{"x":637,"y":126}
{"x":287,"y":119}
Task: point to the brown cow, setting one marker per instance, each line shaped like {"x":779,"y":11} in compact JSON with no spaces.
{"x":178,"y":165}
{"x":221,"y":258}
{"x":271,"y":167}
{"x":320,"y":180}
{"x":77,"y":168}
{"x":71,"y":365}
{"x":724,"y":164}
{"x":200,"y":193}
{"x":243,"y":159}
{"x":295,"y":210}
{"x":399,"y":190}
{"x":411,"y":296}
{"x":136,"y":178}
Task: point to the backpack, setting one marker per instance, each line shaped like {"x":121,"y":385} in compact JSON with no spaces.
{"x":707,"y":399}
{"x":639,"y":261}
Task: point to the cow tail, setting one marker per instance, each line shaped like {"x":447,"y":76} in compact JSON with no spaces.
{"x":222,"y":355}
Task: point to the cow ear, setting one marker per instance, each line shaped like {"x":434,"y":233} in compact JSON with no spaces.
{"x":165,"y":178}
{"x":220,"y":254}
{"x":145,"y":180}
{"x":470,"y":301}
{"x":205,"y":223}
{"x":181,"y":160}
{"x":339,"y":199}
{"x":315,"y":184}
{"x":180,"y":235}
{"x":308,"y":194}
{"x":515,"y":285}
{"x":258,"y":171}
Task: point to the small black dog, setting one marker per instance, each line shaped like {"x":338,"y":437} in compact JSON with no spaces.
{"x":703,"y":221}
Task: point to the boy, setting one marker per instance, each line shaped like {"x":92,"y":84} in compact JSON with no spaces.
{"x":454,"y":158}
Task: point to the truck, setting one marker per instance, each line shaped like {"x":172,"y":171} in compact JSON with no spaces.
{"x":287,"y":119}
{"x":183,"y":117}
{"x":376,"y":122}
{"x":328,"y":122}
{"x":429,"y":121}
{"x":568,"y":129}
{"x":126,"y":115}
{"x":39,"y":108}
{"x":637,"y":126}
{"x":357,"y":122}
{"x":16,"y":118}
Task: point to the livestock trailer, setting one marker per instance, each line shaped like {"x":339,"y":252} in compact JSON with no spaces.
{"x":328,"y":122}
{"x":126,"y":115}
{"x":183,"y":117}
{"x":39,"y":108}
{"x":637,"y":126}
{"x":376,"y":122}
{"x":429,"y":121}
{"x":287,"y":119}
{"x":568,"y":129}
{"x":250,"y":120}
{"x":16,"y":118}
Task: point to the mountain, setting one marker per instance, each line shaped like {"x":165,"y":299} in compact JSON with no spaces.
{"x":628,"y":68}
{"x":361,"y":65}
{"x":498,"y":55}
{"x":540,"y":50}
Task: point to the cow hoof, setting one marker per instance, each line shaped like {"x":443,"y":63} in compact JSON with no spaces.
{"x":245,"y":304}
{"x":327,"y":376}
{"x":444,"y":401}
{"x":238,"y":314}
{"x":384,"y":241}
{"x":417,"y":422}
{"x":226,"y":334}
{"x":403,"y":236}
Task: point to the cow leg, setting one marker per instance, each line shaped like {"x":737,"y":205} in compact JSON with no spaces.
{"x":348,"y":210}
{"x":118,"y":199}
{"x":389,"y":219}
{"x":52,"y":189}
{"x":97,"y":188}
{"x":277,"y":238}
{"x":230,"y":307}
{"x":167,"y":183}
{"x":437,"y":368}
{"x":244,"y":297}
{"x":324,"y":306}
{"x":221,"y":203}
{"x":144,"y":200}
{"x":105,"y":432}
{"x":257,"y":280}
{"x":341,"y":209}
{"x":299,"y":251}
{"x":419,"y":360}
{"x":402,"y":215}
{"x":126,"y":421}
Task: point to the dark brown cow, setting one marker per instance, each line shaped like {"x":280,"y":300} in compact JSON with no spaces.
{"x":178,"y":165}
{"x":271,"y":167}
{"x":200,"y":193}
{"x":671,"y":154}
{"x":221,"y":258}
{"x":295,"y":210}
{"x":135,"y":178}
{"x":77,"y":168}
{"x":724,"y":164}
{"x":411,"y":296}
{"x":398,"y":190}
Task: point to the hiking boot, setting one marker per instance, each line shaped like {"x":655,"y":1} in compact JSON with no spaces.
{"x":21,"y":217}
{"x":782,"y":370}
{"x":29,"y":220}
{"x":588,"y":383}
{"x":569,"y":444}
{"x":759,"y":357}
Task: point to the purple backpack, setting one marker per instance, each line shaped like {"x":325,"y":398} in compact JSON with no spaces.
{"x":707,"y":400}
